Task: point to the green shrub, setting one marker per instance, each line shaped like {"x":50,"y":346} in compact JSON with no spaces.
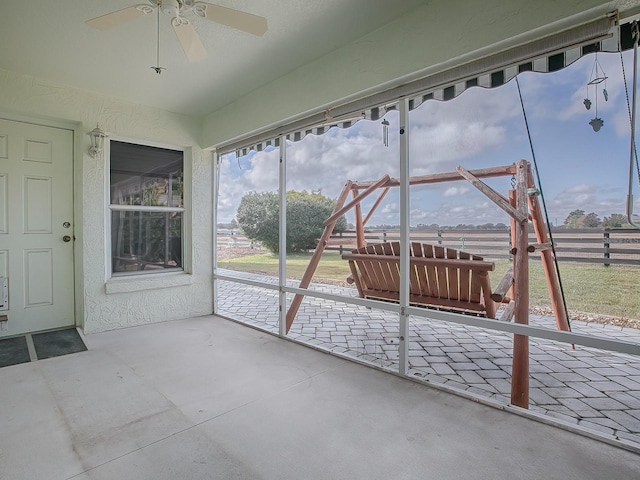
{"x":258,"y":213}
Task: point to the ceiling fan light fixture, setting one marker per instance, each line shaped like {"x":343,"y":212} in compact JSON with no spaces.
{"x":170,"y":7}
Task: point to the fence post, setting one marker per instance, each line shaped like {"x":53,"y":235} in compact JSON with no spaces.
{"x":384,"y":236}
{"x":439,"y":237}
{"x":340,"y":243}
{"x":607,"y":253}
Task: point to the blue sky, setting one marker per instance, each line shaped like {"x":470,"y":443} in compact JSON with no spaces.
{"x":579,"y":168}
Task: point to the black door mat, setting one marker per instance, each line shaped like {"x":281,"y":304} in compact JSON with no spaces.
{"x":54,"y":343}
{"x":57,"y":343}
{"x":14,"y":351}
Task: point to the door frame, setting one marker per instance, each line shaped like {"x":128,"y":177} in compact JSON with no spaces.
{"x":76,"y":168}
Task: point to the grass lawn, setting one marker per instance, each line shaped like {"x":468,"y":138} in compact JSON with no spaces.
{"x":588,"y":288}
{"x":331,"y":267}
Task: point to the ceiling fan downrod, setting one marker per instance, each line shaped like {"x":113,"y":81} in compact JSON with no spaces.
{"x":158,"y":69}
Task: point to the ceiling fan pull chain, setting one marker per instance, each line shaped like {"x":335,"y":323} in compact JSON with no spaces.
{"x":158,"y":69}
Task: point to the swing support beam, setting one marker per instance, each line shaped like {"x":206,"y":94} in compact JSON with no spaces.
{"x":522,"y":208}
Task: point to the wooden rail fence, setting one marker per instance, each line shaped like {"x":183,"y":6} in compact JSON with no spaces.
{"x":589,"y":245}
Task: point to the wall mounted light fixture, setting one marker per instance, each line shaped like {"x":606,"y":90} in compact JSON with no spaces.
{"x":97,"y":137}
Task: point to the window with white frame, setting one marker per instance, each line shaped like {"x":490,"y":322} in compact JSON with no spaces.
{"x":147,"y":208}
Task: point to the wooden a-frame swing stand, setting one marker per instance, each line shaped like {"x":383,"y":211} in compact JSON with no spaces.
{"x":521,"y":205}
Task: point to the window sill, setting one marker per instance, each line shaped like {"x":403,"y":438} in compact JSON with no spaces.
{"x":139,"y":283}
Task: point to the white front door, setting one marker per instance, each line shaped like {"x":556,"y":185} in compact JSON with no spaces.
{"x":36,"y":226}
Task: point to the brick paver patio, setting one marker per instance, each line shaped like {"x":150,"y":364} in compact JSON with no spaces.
{"x":594,"y":389}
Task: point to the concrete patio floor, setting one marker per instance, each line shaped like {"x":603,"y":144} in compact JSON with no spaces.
{"x":207,"y":398}
{"x":585,"y":387}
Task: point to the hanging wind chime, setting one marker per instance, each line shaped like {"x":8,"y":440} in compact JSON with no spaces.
{"x":597,"y":77}
{"x":385,"y":132}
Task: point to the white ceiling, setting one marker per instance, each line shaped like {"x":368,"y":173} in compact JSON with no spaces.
{"x":50,"y":40}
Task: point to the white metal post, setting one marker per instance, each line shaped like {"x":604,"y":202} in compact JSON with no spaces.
{"x":403,"y":347}
{"x":282,"y":240}
{"x":215,"y":180}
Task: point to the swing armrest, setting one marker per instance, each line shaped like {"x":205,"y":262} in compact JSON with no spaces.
{"x":500,"y":292}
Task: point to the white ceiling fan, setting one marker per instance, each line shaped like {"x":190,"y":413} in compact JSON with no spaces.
{"x":187,"y":35}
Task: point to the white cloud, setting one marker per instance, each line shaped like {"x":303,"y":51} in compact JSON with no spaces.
{"x":573,"y":197}
{"x":455,"y":191}
{"x":473,"y":130}
{"x":446,"y":134}
{"x":257,"y":172}
{"x":483,"y":212}
{"x":391,"y":209}
{"x":602,"y":200}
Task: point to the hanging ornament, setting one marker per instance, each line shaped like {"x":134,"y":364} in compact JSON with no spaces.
{"x":385,"y":132}
{"x":597,"y":77}
{"x":596,"y":124}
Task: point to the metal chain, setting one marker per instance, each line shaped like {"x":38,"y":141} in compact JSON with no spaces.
{"x":544,"y":204}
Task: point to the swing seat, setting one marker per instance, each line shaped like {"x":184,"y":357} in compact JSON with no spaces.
{"x":440,"y":278}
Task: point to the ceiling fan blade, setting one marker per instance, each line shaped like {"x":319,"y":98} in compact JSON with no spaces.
{"x":189,"y":40}
{"x":247,"y":22}
{"x":118,"y":17}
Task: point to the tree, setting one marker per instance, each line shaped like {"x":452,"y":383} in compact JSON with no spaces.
{"x":306,"y":212}
{"x":614,"y":221}
{"x":257,"y":215}
{"x":486,"y":226}
{"x":232,"y":225}
{"x":591,"y":220}
{"x":574,"y":218}
{"x":578,"y":219}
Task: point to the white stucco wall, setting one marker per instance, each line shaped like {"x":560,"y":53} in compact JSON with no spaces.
{"x":132,"y":301}
{"x":421,"y":42}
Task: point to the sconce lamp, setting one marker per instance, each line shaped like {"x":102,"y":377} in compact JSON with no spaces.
{"x":97,"y":137}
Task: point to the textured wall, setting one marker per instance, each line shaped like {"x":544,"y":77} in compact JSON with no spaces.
{"x":421,"y":42}
{"x":132,"y":301}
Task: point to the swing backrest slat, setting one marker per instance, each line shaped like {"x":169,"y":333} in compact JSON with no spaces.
{"x":439,"y":277}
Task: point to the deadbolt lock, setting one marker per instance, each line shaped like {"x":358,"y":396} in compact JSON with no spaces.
{"x":66,"y":224}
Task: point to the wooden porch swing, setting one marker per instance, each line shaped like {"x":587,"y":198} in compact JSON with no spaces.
{"x":445,"y":278}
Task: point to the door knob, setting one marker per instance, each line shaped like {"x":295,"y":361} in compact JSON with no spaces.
{"x":66,"y":238}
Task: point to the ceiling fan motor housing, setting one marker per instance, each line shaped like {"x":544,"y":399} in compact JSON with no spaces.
{"x":170,"y":7}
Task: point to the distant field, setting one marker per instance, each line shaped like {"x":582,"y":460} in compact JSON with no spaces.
{"x":588,"y":288}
